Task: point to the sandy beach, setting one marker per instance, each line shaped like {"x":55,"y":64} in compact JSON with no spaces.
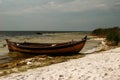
{"x":99,"y":66}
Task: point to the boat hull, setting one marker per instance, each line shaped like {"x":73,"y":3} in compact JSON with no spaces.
{"x":65,"y":48}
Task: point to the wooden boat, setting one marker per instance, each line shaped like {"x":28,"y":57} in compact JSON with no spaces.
{"x":47,"y":48}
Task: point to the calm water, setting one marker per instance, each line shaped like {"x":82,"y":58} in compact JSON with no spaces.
{"x":41,"y":37}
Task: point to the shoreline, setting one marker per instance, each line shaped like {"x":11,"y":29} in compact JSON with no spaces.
{"x":19,"y":65}
{"x":102,"y":66}
{"x":4,"y":50}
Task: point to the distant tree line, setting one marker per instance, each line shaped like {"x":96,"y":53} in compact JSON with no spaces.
{"x":112,"y":34}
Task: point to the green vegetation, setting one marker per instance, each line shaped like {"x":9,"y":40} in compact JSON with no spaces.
{"x":114,"y":38}
{"x":112,"y":34}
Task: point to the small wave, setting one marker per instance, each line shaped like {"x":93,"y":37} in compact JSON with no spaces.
{"x":100,"y":47}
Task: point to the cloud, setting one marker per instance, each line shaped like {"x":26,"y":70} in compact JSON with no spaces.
{"x":79,"y":6}
{"x":118,"y":3}
{"x":0,"y":1}
{"x":56,"y":7}
{"x":73,"y":6}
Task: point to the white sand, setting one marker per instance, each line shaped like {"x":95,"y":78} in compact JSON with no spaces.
{"x":102,"y":66}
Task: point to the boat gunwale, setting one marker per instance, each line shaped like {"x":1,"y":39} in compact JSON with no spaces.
{"x":57,"y":46}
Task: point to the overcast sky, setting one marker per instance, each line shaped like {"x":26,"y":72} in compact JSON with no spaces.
{"x":59,"y":15}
